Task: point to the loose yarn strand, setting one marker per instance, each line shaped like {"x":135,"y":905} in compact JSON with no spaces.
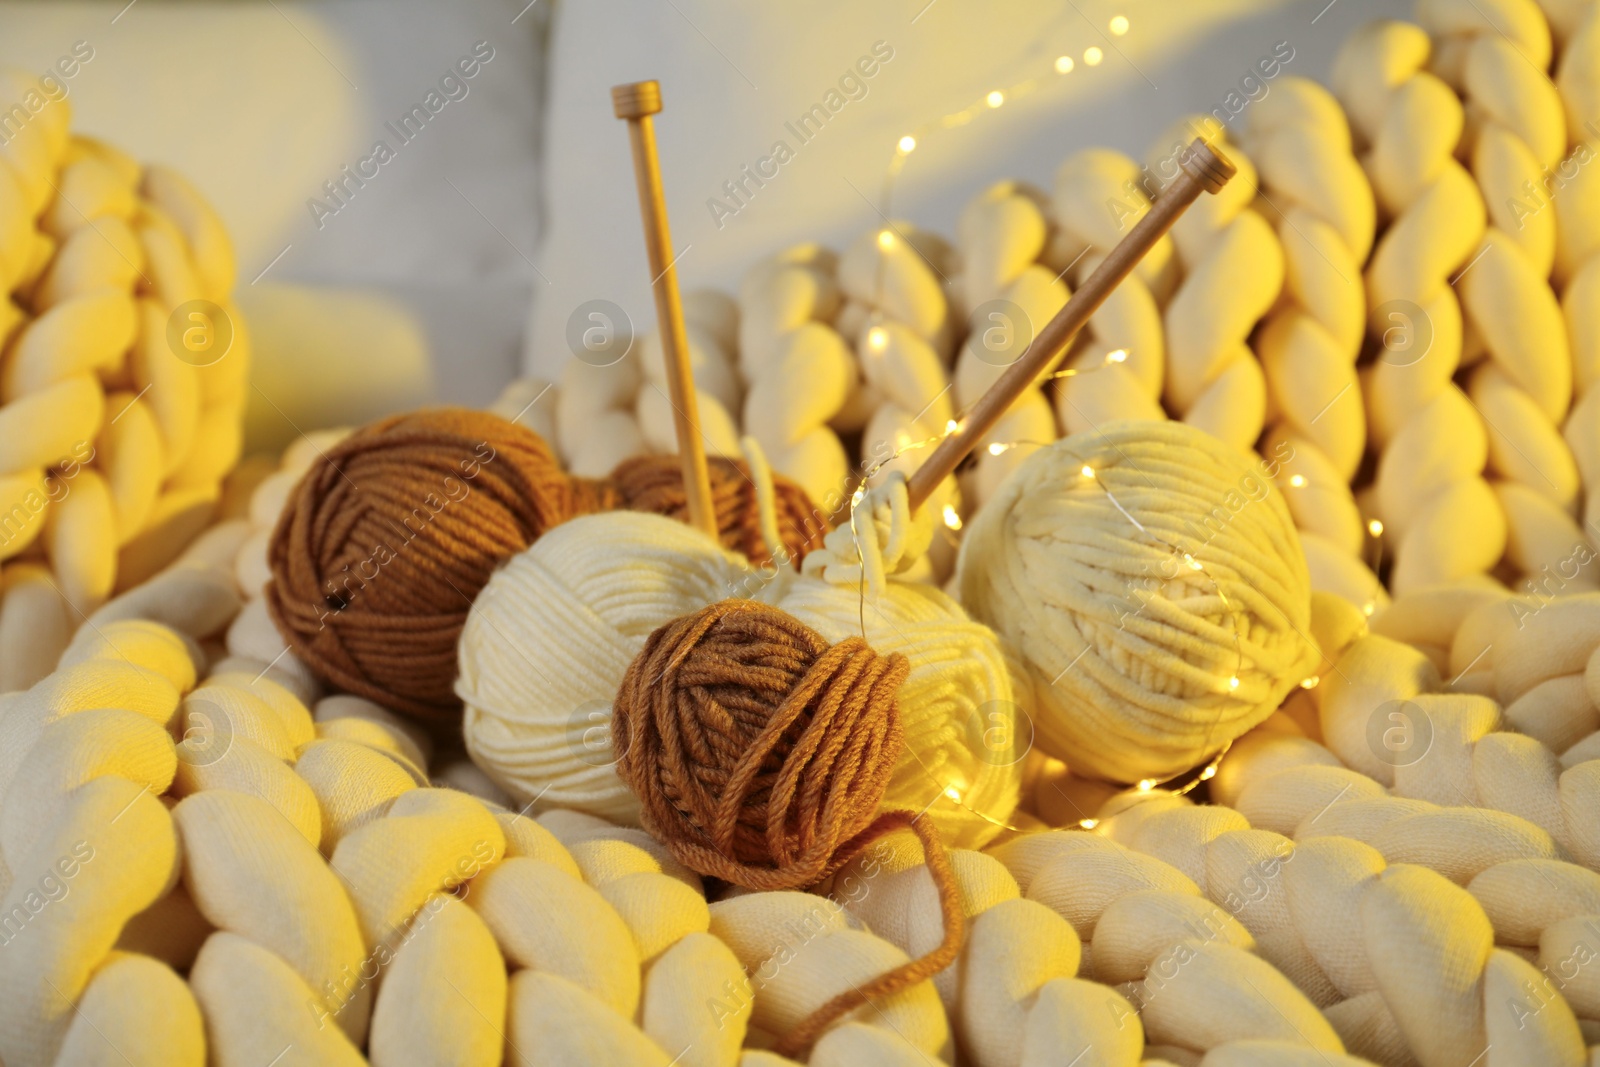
{"x":795,"y":1043}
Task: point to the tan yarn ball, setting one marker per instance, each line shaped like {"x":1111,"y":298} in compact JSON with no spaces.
{"x":1143,"y":665}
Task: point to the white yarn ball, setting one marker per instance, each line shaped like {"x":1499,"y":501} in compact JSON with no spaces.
{"x":1131,"y":651}
{"x":548,"y":641}
{"x":966,"y":727}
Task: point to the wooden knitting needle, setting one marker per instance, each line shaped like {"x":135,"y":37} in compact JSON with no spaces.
{"x":1204,"y":169}
{"x":636,"y":102}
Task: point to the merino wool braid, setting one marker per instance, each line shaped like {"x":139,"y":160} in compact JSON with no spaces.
{"x":799,"y":371}
{"x":1003,"y":236}
{"x":1097,"y":198}
{"x":112,"y":446}
{"x":904,"y":330}
{"x":1200,"y":982}
{"x":1424,"y":983}
{"x":1575,"y":189}
{"x":1439,"y":513}
{"x":1322,"y":205}
{"x":1131,"y":651}
{"x":1526,"y":743}
{"x":1232,"y":272}
{"x":276,"y":940}
{"x":1496,"y":60}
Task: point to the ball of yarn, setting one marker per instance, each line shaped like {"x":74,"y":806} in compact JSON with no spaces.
{"x":549,"y":641}
{"x":655,"y":484}
{"x":757,"y":749}
{"x":387,"y":541}
{"x":1161,"y":602}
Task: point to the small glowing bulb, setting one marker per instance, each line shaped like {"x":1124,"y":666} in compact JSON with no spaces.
{"x":1375,"y":528}
{"x":995,"y":98}
{"x":1117,"y":355}
{"x":1297,"y":480}
{"x":877,"y":338}
{"x":953,"y":793}
{"x":1233,"y":683}
{"x":1092,"y":55}
{"x":1088,"y":824}
{"x":998,"y":449}
{"x":1209,"y":773}
{"x":1119,"y":25}
{"x":1311,"y":682}
{"x":1368,"y":608}
{"x":1088,"y":471}
{"x":1064,"y":64}
{"x":1194,"y":564}
{"x":908,"y":144}
{"x":1146,"y":784}
{"x":885,"y":240}
{"x":952,"y":426}
{"x":952,"y":518}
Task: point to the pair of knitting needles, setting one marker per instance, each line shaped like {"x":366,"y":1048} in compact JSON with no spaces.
{"x":1204,"y":170}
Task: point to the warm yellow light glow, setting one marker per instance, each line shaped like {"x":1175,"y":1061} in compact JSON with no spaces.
{"x":885,"y":240}
{"x":908,"y":144}
{"x":1064,"y":64}
{"x":1088,"y":824}
{"x":1297,"y":480}
{"x":952,"y":518}
{"x":1194,"y":564}
{"x":1209,"y":773}
{"x":1146,"y":784}
{"x":952,"y":426}
{"x":1119,"y":25}
{"x":1375,"y":528}
{"x":1117,"y":355}
{"x":1092,"y":55}
{"x":998,"y":449}
{"x":1088,"y":471}
{"x":953,"y":793}
{"x":995,"y":98}
{"x":1311,"y":682}
{"x":1233,"y":683}
{"x":877,"y":338}
{"x":1368,"y":608}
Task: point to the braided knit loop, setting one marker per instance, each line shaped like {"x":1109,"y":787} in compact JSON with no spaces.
{"x":757,"y":749}
{"x":378,"y":556}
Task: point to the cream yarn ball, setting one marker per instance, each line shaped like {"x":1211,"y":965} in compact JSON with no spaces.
{"x":1132,"y":652}
{"x":549,"y":639}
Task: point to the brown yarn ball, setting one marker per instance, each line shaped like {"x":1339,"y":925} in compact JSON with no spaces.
{"x":391,"y":535}
{"x":655,"y":484}
{"x":760,"y":754}
{"x":757,"y":749}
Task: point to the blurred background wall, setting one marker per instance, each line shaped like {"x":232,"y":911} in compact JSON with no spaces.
{"x":456,"y":267}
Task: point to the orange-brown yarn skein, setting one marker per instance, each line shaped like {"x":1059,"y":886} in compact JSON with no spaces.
{"x":760,"y":755}
{"x":390,"y":536}
{"x":655,"y":484}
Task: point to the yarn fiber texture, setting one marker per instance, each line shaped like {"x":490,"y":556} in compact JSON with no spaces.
{"x":548,"y":643}
{"x":388,"y":540}
{"x":655,"y":484}
{"x":756,"y":748}
{"x":1131,"y":650}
